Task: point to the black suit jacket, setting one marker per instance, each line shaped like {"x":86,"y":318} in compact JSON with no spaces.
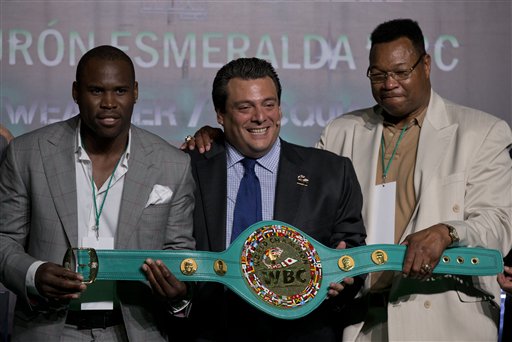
{"x":328,"y":209}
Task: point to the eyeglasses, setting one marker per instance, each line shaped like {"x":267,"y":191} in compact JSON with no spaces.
{"x":399,"y":75}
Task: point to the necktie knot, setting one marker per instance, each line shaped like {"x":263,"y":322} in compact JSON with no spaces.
{"x":249,"y":165}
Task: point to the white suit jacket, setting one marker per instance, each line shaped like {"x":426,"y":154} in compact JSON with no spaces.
{"x":463,"y":177}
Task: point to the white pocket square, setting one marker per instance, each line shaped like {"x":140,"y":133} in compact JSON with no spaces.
{"x":159,"y":195}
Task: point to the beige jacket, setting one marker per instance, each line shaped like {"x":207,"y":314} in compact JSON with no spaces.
{"x":463,"y":177}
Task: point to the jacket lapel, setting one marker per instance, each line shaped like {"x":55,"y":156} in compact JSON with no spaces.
{"x":288,"y":192}
{"x":365,"y":156}
{"x":212,"y":178}
{"x":58,"y":157}
{"x":138,"y":184}
{"x":436,"y":134}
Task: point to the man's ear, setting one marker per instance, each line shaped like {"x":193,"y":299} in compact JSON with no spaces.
{"x":427,"y":62}
{"x":220,"y":118}
{"x":136,"y":91}
{"x":74,"y":91}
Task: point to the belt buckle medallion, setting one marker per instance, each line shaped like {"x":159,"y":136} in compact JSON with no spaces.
{"x":281,"y":266}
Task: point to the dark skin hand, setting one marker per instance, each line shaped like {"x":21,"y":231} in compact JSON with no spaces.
{"x":505,"y":280}
{"x":58,"y":283}
{"x":162,"y":281}
{"x":425,"y":248}
{"x":203,"y":139}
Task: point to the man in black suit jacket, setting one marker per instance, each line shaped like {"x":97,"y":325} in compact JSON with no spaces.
{"x":5,"y":138}
{"x":313,"y":190}
{"x":505,"y":281}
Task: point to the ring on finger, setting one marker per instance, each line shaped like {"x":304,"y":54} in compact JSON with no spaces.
{"x":426,"y":268}
{"x":188,"y":138}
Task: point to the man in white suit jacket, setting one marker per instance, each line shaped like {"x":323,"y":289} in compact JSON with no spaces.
{"x":460,"y":177}
{"x":48,"y":183}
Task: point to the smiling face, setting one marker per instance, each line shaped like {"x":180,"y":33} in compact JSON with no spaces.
{"x":404,"y":98}
{"x":252,"y":117}
{"x":106,"y":93}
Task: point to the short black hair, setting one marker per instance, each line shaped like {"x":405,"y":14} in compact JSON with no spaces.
{"x":246,"y":69}
{"x":398,"y":28}
{"x":106,"y":53}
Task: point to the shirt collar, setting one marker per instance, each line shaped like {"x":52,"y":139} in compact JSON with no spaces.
{"x":82,"y":154}
{"x":269,"y":161}
{"x":417,"y":120}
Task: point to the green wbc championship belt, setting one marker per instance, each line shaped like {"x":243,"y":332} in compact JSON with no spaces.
{"x":274,"y":266}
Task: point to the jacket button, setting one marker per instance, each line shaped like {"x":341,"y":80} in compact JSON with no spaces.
{"x":427,"y":304}
{"x":456,"y":208}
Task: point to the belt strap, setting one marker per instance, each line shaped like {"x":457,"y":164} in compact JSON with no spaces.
{"x":94,"y":319}
{"x":275,"y":267}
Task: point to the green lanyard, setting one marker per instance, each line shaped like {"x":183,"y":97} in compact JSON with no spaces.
{"x":385,"y":168}
{"x":96,"y":227}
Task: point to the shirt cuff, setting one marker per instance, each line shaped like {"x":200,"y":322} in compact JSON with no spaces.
{"x":30,"y":278}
